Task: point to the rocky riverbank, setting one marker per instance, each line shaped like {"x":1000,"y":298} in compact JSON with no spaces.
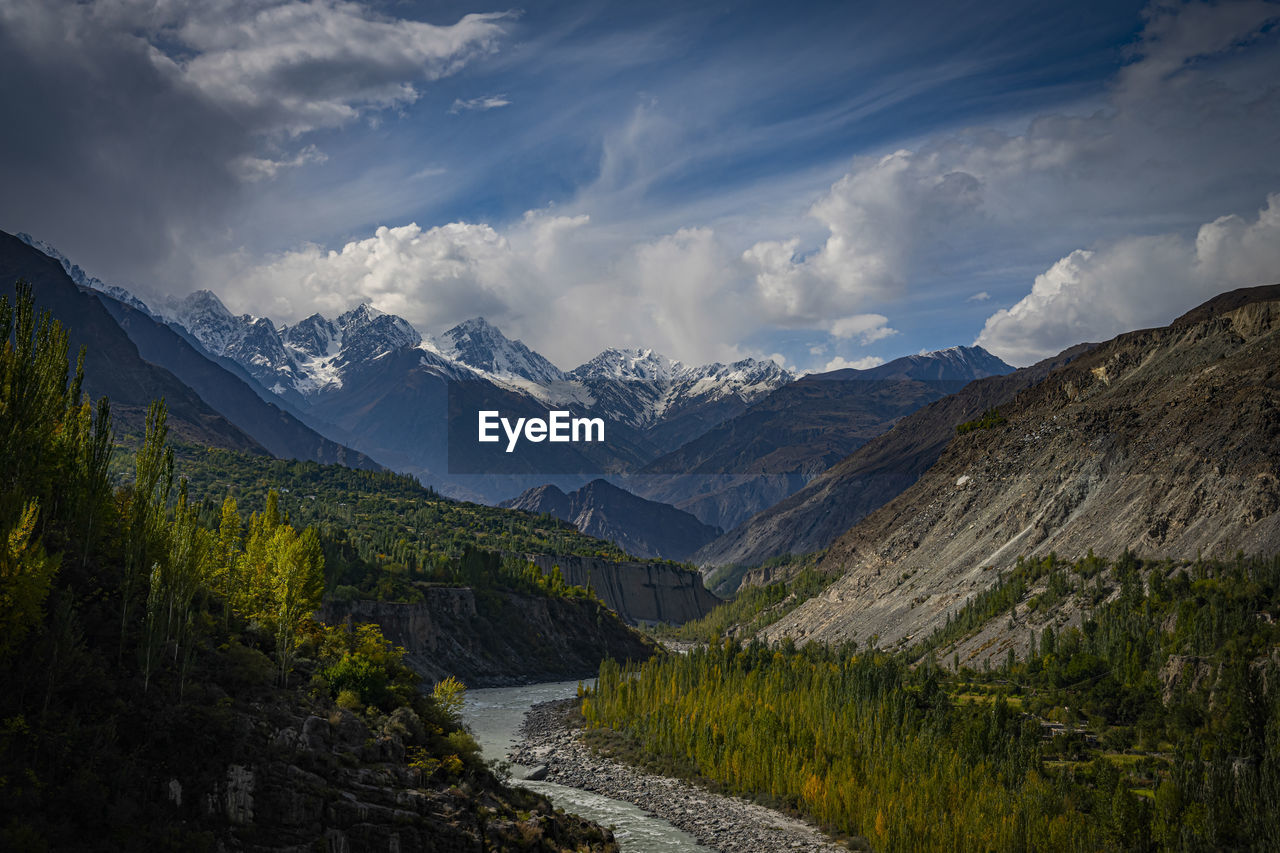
{"x":720,"y":823}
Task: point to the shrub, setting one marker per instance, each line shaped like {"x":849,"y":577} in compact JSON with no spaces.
{"x":356,"y":674}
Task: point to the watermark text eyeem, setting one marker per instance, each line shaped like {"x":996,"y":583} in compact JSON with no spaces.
{"x":558,"y":426}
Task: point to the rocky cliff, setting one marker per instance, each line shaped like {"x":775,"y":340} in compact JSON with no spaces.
{"x":304,"y":781}
{"x":489,"y":638}
{"x":638,"y":592}
{"x":1163,"y":441}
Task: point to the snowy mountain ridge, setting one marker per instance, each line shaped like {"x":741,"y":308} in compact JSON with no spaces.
{"x":80,"y":277}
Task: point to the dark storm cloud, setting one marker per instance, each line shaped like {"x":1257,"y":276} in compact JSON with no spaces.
{"x":104,"y":153}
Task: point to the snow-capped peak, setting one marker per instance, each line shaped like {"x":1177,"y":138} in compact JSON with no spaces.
{"x":481,"y":345}
{"x":203,"y":315}
{"x":630,"y":365}
{"x":368,"y":332}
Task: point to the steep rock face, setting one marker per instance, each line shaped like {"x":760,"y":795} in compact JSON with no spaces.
{"x":638,"y":592}
{"x":871,"y":476}
{"x":497,"y":638}
{"x":638,"y":526}
{"x":1163,"y":441}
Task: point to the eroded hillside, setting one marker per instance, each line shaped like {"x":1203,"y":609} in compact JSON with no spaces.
{"x":1162,"y":441}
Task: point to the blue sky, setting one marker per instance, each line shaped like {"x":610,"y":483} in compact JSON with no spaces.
{"x":826,"y":183}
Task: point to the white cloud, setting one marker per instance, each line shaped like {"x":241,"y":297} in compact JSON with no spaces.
{"x":430,"y":277}
{"x":840,"y":363}
{"x":1191,"y":118}
{"x":867,"y":328}
{"x":297,"y":66}
{"x":876,"y":217}
{"x":1134,"y":283}
{"x":481,"y":104}
{"x":526,"y":279}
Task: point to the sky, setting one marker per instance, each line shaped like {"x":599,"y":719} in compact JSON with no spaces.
{"x":826,"y":184}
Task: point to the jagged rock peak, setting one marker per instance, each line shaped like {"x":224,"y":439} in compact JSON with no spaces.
{"x":629,"y":363}
{"x":391,"y":330}
{"x":481,"y":345}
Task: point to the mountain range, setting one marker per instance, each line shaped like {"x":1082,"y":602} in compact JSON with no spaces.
{"x":784,"y":440}
{"x":719,"y":442}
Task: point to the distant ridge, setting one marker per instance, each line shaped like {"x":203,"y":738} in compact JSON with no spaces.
{"x":781,"y":442}
{"x":638,"y":526}
{"x":812,"y":518}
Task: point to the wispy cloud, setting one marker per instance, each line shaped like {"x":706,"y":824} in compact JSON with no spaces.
{"x":252,"y":168}
{"x":481,"y":104}
{"x":980,"y":296}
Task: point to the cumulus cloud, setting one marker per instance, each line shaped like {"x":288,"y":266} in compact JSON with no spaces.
{"x":840,"y":363}
{"x":876,"y":216}
{"x":867,"y":328}
{"x":523,"y":279}
{"x":1134,"y":283}
{"x":428,"y":276}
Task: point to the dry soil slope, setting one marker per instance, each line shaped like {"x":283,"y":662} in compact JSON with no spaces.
{"x":1165,"y":441}
{"x":868,"y":478}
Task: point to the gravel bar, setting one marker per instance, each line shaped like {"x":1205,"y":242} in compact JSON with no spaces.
{"x":727,"y":824}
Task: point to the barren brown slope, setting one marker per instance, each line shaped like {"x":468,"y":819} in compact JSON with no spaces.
{"x":868,"y":478}
{"x":1165,"y":441}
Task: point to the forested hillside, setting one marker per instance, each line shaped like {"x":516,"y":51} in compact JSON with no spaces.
{"x":1154,"y":724}
{"x":166,"y":687}
{"x":381,"y":532}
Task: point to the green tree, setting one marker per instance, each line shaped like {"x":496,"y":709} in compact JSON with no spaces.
{"x":25,"y":574}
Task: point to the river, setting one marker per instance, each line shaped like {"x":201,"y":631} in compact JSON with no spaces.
{"x":494,"y":715}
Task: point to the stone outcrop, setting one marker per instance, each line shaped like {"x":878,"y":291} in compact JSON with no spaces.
{"x":642,"y":528}
{"x":305,"y":779}
{"x":638,"y":592}
{"x":880,"y":470}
